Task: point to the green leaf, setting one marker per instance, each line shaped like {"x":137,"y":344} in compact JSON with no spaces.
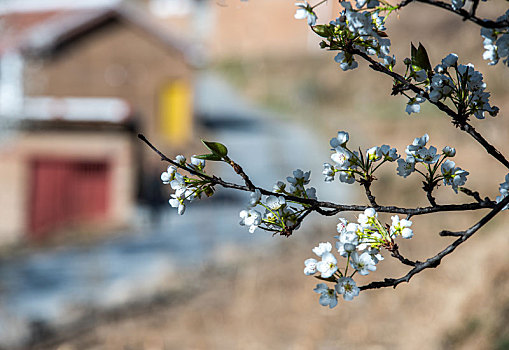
{"x":413,"y":53}
{"x":423,"y":58}
{"x":212,"y":157}
{"x":420,"y":59}
{"x":321,"y":30}
{"x":216,"y":148}
{"x":209,"y":191}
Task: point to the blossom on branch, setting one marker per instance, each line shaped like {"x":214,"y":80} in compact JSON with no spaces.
{"x":305,"y":11}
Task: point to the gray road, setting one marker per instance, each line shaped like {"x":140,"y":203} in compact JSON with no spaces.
{"x":60,"y":286}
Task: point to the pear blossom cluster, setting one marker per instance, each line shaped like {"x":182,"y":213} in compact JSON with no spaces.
{"x":365,"y":30}
{"x":496,"y":42}
{"x":186,"y":188}
{"x":459,"y":83}
{"x":353,"y":166}
{"x":275,"y":212}
{"x":361,"y":28}
{"x":418,"y":153}
{"x":504,"y":191}
{"x":359,"y":243}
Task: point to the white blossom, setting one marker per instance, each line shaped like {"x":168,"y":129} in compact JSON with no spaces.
{"x":347,"y":241}
{"x":328,"y":172}
{"x":340,"y":140}
{"x":367,"y":218}
{"x":197,"y":163}
{"x":401,"y":227}
{"x":449,"y":151}
{"x":390,"y":154}
{"x":504,"y":191}
{"x":279,"y":187}
{"x":169,"y":174}
{"x":251,"y":218}
{"x":374,"y":154}
{"x":342,"y":156}
{"x":310,"y":268}
{"x":346,"y":177}
{"x":322,"y":248}
{"x":375,"y":255}
{"x":311,"y":193}
{"x":450,"y":60}
{"x":180,"y":159}
{"x":406,"y":167}
{"x":427,"y":155}
{"x":327,"y":296}
{"x":413,"y":104}
{"x":346,"y":62}
{"x":417,"y":144}
{"x":274,"y":202}
{"x":178,"y":203}
{"x":328,"y":265}
{"x":299,"y":178}
{"x":255,"y":198}
{"x":363,"y":263}
{"x":457,"y":4}
{"x":347,"y":287}
{"x":496,"y":42}
{"x":305,"y":11}
{"x":453,"y":176}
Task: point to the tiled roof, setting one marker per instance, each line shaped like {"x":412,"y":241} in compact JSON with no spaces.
{"x":44,"y":30}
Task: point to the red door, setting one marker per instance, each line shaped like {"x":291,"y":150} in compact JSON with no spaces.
{"x":67,"y":192}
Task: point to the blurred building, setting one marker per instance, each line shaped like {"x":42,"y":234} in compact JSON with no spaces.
{"x":76,"y":85}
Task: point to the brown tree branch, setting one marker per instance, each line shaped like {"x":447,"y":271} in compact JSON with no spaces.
{"x":325,"y":208}
{"x":434,"y":261}
{"x":470,"y":16}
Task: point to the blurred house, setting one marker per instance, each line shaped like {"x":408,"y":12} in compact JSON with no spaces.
{"x":76,"y":85}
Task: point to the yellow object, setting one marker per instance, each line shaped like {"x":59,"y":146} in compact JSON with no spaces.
{"x":176,"y":112}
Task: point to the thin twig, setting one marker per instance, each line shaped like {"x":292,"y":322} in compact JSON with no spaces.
{"x":371,"y":198}
{"x":429,"y":195}
{"x":473,"y":194}
{"x":447,"y":233}
{"x":395,"y":253}
{"x":470,"y":16}
{"x":238,"y":169}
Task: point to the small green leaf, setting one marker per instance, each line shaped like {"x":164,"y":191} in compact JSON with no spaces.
{"x":423,"y":58}
{"x":420,"y":59}
{"x":321,"y":30}
{"x":413,"y":53}
{"x":216,"y":148}
{"x":209,"y":191}
{"x":212,"y":157}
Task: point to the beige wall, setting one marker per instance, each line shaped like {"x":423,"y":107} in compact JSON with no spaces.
{"x":254,"y":28}
{"x":15,"y":171}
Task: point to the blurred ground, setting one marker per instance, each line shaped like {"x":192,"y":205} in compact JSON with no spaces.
{"x":256,"y":299}
{"x":263,"y":301}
